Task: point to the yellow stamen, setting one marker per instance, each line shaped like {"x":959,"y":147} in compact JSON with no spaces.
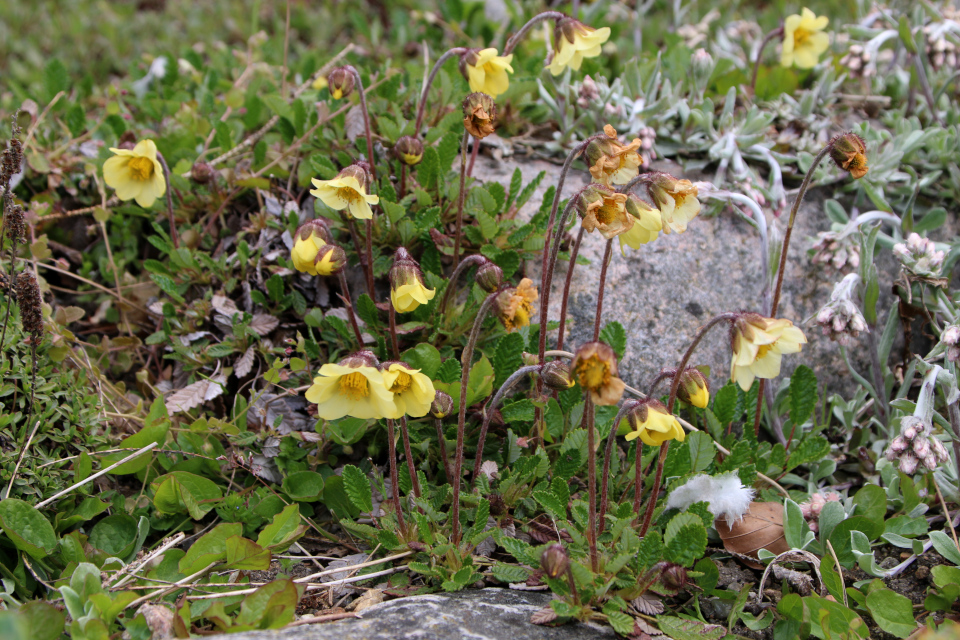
{"x":348,"y":194}
{"x":607,"y":213}
{"x":141,"y":169}
{"x":593,"y":373}
{"x":354,"y":386}
{"x":402,"y":383}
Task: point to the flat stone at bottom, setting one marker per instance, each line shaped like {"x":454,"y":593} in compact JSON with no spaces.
{"x":482,"y":614}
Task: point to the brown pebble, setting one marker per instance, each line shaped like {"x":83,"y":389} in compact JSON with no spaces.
{"x":905,"y":555}
{"x":922,"y":573}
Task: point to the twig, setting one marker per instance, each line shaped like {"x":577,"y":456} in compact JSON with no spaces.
{"x":23,"y":452}
{"x":133,"y":567}
{"x":327,"y":618}
{"x":946,"y":512}
{"x":130,"y":457}
{"x":176,"y":585}
{"x":836,"y":562}
{"x":310,"y":586}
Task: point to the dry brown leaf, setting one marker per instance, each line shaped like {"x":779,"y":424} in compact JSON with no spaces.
{"x":244,"y":363}
{"x":368,"y":599}
{"x":648,"y":604}
{"x":224,"y":305}
{"x":544,"y":616}
{"x":760,"y":528}
{"x":642,"y":626}
{"x":193,"y":395}
{"x":264,"y":323}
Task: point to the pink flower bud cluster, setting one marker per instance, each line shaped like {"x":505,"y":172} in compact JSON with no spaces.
{"x":920,"y":256}
{"x":915,"y":446}
{"x":951,"y":339}
{"x":836,"y":251}
{"x":811,"y":508}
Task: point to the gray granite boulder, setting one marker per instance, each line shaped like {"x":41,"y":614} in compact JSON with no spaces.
{"x":484,"y":614}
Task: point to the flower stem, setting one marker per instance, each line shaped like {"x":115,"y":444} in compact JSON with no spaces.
{"x":393,"y":332}
{"x":566,"y":288}
{"x":452,"y":280}
{"x":456,"y":51}
{"x":361,"y":253}
{"x":349,"y":304}
{"x":674,"y":387}
{"x":474,"y":151}
{"x":408,"y":454}
{"x":763,"y":45}
{"x":608,"y":452}
{"x":588,"y":420}
{"x":443,"y":450}
{"x":403,"y":180}
{"x":491,"y":408}
{"x":953,"y":411}
{"x":547,"y":270}
{"x":603,"y":281}
{"x":637,"y":480}
{"x":368,"y":242}
{"x":531,"y":23}
{"x":465,"y":358}
{"x":366,"y":121}
{"x":461,"y":197}
{"x":174,"y":236}
{"x":395,"y":489}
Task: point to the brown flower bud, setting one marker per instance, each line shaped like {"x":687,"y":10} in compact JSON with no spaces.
{"x":556,"y":375}
{"x":489,"y":276}
{"x":673,"y":576}
{"x":340,"y":82}
{"x":408,"y":150}
{"x":362,"y":358}
{"x":29,"y":299}
{"x":849,"y":152}
{"x":202,"y":172}
{"x":693,"y":388}
{"x":14,"y":224}
{"x":554,"y":560}
{"x":479,"y":113}
{"x":442,"y":405}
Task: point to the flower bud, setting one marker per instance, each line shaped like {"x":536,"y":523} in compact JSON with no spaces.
{"x":409,"y":150}
{"x":442,"y":405}
{"x":307,"y":241}
{"x":693,"y":388}
{"x":202,"y":172}
{"x":29,"y":300}
{"x":330,"y":260}
{"x":407,"y":290}
{"x":340,"y":82}
{"x":673,"y":576}
{"x":848,"y":151}
{"x":489,"y":276}
{"x":951,"y":336}
{"x":554,"y":560}
{"x":701,"y":68}
{"x":362,"y":358}
{"x":479,"y":114}
{"x":556,"y":375}
{"x":908,"y":463}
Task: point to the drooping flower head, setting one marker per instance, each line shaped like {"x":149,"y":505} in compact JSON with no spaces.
{"x":514,"y":305}
{"x":330,"y":260}
{"x":347,"y":191}
{"x":574,"y":41}
{"x":340,"y":81}
{"x":413,"y":392}
{"x":647,"y":224}
{"x":486,"y":71}
{"x":442,"y":405}
{"x":676,"y":199}
{"x":352,"y":387}
{"x":407,"y":291}
{"x":694,"y":388}
{"x":602,"y":208}
{"x":557,"y":375}
{"x":758,"y":344}
{"x":611,"y":162}
{"x":650,"y":421}
{"x":595,"y":369}
{"x":136,"y":174}
{"x":409,"y":150}
{"x":489,"y":276}
{"x":307,"y":240}
{"x":479,"y":114}
{"x":804,"y":40}
{"x":849,"y":152}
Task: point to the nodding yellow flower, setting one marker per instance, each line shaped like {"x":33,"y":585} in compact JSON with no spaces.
{"x":409,"y":150}
{"x":347,"y":191}
{"x":604,"y":209}
{"x":413,"y":392}
{"x":407,"y":291}
{"x":693,"y":388}
{"x":340,"y":81}
{"x":515,"y":305}
{"x":758,"y":344}
{"x":611,"y":162}
{"x":595,"y":368}
{"x":651,"y":423}
{"x":353,"y":387}
{"x":676,"y":199}
{"x":646,"y":227}
{"x":486,"y":71}
{"x":307,"y":241}
{"x":849,"y":152}
{"x":330,"y":260}
{"x":320,"y":83}
{"x":804,"y":40}
{"x":136,"y":174}
{"x":575,"y":41}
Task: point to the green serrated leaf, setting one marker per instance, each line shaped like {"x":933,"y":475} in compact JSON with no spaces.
{"x":357,"y":486}
{"x":803,"y":394}
{"x":614,"y":335}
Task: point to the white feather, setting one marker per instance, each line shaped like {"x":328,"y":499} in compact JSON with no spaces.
{"x":727,"y":496}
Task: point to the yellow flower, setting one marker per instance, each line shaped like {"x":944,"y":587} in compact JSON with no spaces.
{"x":595,"y":368}
{"x":849,"y":152}
{"x":407,"y":291}
{"x":330,"y":260}
{"x":515,"y":305}
{"x":693,"y":388}
{"x":758,"y":344}
{"x":612,"y":163}
{"x":575,"y":41}
{"x":413,"y":392}
{"x":137,"y":174}
{"x":307,"y":241}
{"x":319,"y":83}
{"x":353,"y":387}
{"x":646,"y":227}
{"x":347,"y":191}
{"x":804,"y":39}
{"x":486,"y":71}
{"x":604,"y":209}
{"x":653,"y":425}
{"x":677,"y":201}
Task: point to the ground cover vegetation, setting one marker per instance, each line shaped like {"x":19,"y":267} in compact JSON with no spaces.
{"x":270,"y":351}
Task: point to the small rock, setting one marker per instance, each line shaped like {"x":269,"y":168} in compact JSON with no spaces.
{"x":922,"y":573}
